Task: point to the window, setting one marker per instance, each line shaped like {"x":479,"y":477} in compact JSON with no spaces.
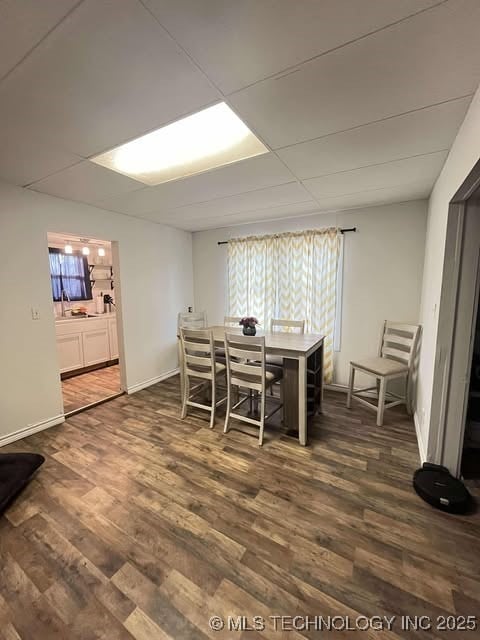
{"x":70,"y":274}
{"x":291,"y":276}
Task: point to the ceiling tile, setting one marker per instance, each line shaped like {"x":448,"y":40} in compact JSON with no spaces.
{"x":272,"y":213}
{"x":107,"y":74}
{"x":375,"y":197}
{"x":419,"y":62}
{"x":422,"y":170}
{"x":23,"y":23}
{"x":23,"y":161}
{"x":290,"y":193}
{"x":248,"y":175}
{"x":86,"y":182}
{"x":238,"y":43}
{"x":416,"y":133}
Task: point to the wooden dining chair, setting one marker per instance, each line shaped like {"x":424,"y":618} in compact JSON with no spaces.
{"x":283,"y":325}
{"x":228,"y":321}
{"x":198,"y":362}
{"x":247,"y":369}
{"x":192,"y":320}
{"x":396,"y":358}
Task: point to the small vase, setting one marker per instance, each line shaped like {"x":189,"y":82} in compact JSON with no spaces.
{"x":249,"y":330}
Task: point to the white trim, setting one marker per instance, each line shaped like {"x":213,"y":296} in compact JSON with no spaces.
{"x":31,"y":429}
{"x":342,"y":388}
{"x":420,"y":442}
{"x":148,"y":383}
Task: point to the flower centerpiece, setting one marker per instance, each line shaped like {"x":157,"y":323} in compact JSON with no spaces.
{"x":249,"y":325}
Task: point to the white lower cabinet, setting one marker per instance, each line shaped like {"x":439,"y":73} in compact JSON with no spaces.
{"x":70,"y":352}
{"x":96,"y":347}
{"x":85,"y":342}
{"x":113,"y":338}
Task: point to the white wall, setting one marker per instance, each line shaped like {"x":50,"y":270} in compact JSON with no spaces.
{"x":156,"y":282}
{"x":460,"y":161}
{"x":382,"y":278}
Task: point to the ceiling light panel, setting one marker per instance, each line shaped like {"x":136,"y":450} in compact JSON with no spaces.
{"x":205,"y":140}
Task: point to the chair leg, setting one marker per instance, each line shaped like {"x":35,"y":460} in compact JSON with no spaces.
{"x":186,"y":393}
{"x":229,"y":407}
{"x":214,"y":402}
{"x":281,"y":399}
{"x":408,"y":396}
{"x":262,"y":419}
{"x":350,"y":386}
{"x":255,"y":403}
{"x":381,"y":402}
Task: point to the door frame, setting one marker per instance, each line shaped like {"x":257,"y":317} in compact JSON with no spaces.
{"x":454,"y":344}
{"x":115,"y":247}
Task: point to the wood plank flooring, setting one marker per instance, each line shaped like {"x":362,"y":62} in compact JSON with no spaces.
{"x":80,"y":391}
{"x":140,"y":525}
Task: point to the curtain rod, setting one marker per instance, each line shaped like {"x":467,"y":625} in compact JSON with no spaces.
{"x":351,"y":229}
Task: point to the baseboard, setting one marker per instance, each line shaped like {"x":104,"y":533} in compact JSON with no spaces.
{"x":421,"y":445}
{"x":148,"y":383}
{"x":30,"y":430}
{"x":342,"y":388}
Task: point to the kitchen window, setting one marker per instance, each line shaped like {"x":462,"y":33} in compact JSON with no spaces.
{"x":70,"y":275}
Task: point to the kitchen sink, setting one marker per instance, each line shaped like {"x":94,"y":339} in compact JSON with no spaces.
{"x":61,"y":319}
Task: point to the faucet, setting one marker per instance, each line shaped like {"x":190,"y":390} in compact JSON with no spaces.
{"x":64,"y":295}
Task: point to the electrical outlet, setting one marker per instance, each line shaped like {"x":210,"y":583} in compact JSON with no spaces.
{"x":35,"y":314}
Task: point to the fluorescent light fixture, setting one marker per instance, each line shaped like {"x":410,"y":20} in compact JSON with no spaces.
{"x":68,"y":248}
{"x":101,"y":252}
{"x":205,"y":140}
{"x":85,"y":251}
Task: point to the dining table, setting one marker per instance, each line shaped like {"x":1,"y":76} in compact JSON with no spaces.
{"x":302,"y":372}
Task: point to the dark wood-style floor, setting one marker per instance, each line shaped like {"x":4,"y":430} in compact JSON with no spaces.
{"x":86,"y":388}
{"x":142,"y":526}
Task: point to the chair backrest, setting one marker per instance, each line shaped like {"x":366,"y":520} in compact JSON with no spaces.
{"x":285,"y":325}
{"x":194,"y":320}
{"x":198,"y":352}
{"x":245,"y":357}
{"x":399,"y":342}
{"x":231,"y":321}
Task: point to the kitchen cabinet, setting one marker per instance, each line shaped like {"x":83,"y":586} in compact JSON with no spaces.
{"x":70,"y":352}
{"x":113,"y":338}
{"x":85,"y":342}
{"x":96,"y":347}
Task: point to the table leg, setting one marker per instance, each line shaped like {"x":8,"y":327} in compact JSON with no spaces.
{"x":302,"y":400}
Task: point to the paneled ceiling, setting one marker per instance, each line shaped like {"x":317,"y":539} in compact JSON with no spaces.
{"x":357,"y":102}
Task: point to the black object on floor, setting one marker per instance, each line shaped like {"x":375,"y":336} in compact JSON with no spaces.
{"x":471,"y":463}
{"x":438,"y":487}
{"x":16,"y":469}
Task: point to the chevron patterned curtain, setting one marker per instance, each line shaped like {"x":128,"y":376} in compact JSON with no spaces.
{"x":290,"y":276}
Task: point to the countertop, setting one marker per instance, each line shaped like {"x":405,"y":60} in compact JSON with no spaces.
{"x":91,"y":316}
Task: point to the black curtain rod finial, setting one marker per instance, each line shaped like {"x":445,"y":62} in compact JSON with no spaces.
{"x":342,"y":231}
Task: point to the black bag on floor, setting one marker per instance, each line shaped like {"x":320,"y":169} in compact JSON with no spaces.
{"x":436,"y":485}
{"x":16,"y":469}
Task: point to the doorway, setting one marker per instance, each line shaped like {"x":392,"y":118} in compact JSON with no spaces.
{"x":470,"y":464}
{"x":457,"y":324}
{"x":83,"y":282}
